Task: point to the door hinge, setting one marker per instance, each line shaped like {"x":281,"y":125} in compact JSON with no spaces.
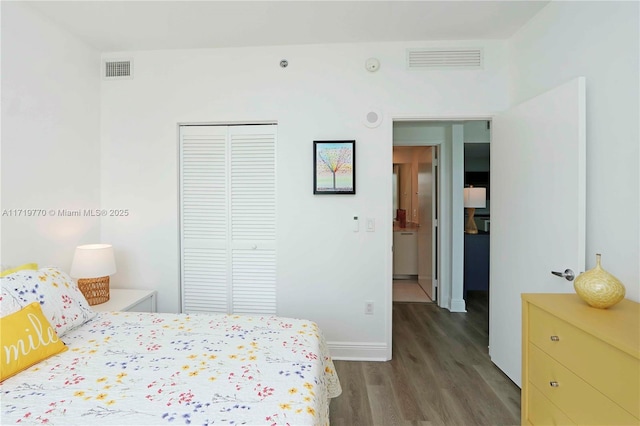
{"x":435,"y":162}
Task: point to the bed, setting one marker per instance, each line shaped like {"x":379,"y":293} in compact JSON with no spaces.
{"x":130,"y":368}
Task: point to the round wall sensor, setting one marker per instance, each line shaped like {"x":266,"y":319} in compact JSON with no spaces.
{"x":373,"y":118}
{"x":372,"y":64}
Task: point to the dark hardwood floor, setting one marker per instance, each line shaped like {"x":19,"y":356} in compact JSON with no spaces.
{"x":440,"y":374}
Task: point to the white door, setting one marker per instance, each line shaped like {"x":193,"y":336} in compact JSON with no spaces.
{"x":537,"y":210}
{"x":204,"y":219}
{"x":252,"y":213}
{"x":228,"y":218}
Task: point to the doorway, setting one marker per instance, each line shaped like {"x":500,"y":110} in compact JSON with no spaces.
{"x":414,"y":225}
{"x":447,"y":138}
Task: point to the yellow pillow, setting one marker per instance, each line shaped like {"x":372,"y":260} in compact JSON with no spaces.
{"x":33,"y":266}
{"x":26,"y":339}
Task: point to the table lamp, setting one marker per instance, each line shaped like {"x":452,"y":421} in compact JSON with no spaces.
{"x":92,"y":264}
{"x":473,"y":198}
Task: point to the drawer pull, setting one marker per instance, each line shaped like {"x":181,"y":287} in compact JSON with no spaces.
{"x":555,"y":339}
{"x":554,"y":384}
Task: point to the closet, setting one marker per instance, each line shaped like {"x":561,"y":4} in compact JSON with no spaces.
{"x":228,"y":218}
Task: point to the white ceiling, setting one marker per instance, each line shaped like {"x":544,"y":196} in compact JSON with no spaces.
{"x":147,"y":25}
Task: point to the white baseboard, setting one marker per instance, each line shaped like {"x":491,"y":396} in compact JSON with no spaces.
{"x":458,"y":305}
{"x":357,"y":351}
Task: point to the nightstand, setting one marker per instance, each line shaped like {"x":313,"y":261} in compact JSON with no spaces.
{"x":128,"y":300}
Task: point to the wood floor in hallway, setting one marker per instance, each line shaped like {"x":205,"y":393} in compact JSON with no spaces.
{"x":440,"y":374}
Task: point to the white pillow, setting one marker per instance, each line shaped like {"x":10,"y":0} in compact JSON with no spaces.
{"x":8,"y":303}
{"x":61,"y":301}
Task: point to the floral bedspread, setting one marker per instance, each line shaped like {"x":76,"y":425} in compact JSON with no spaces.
{"x":129,"y":368}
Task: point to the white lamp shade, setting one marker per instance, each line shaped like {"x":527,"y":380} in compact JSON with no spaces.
{"x":93,"y":261}
{"x":475,"y":197}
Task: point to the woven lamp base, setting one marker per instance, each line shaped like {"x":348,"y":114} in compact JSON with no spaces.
{"x":95,"y":290}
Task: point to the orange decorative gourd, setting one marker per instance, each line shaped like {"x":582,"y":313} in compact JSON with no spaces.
{"x":598,"y":287}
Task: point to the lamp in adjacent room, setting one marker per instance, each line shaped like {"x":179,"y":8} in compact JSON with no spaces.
{"x":473,"y":198}
{"x":92,"y":264}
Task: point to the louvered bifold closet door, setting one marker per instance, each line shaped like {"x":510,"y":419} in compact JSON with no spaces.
{"x":253,"y":218}
{"x":204,"y":219}
{"x":228,"y":211}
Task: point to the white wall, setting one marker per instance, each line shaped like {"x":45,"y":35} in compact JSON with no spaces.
{"x":325,"y":271}
{"x":50,"y":138}
{"x":601,"y":41}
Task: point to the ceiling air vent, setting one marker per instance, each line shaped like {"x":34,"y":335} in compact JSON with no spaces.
{"x":443,"y":58}
{"x":117,"y":69}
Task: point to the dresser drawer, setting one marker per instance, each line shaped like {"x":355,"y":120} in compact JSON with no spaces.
{"x":543,"y":412}
{"x":612,"y":371}
{"x":580,"y":401}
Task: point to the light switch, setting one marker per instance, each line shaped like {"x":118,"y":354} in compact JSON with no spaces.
{"x":371,"y":224}
{"x":356,"y":224}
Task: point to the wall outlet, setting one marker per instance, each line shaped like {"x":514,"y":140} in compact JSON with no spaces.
{"x":368,"y":307}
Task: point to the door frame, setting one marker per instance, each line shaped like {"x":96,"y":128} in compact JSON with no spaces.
{"x":435,"y":170}
{"x":450,"y":214}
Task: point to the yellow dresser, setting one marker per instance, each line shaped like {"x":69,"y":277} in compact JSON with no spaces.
{"x":580,"y":365}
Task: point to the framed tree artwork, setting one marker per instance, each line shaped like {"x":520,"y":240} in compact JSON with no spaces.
{"x":334,"y":167}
